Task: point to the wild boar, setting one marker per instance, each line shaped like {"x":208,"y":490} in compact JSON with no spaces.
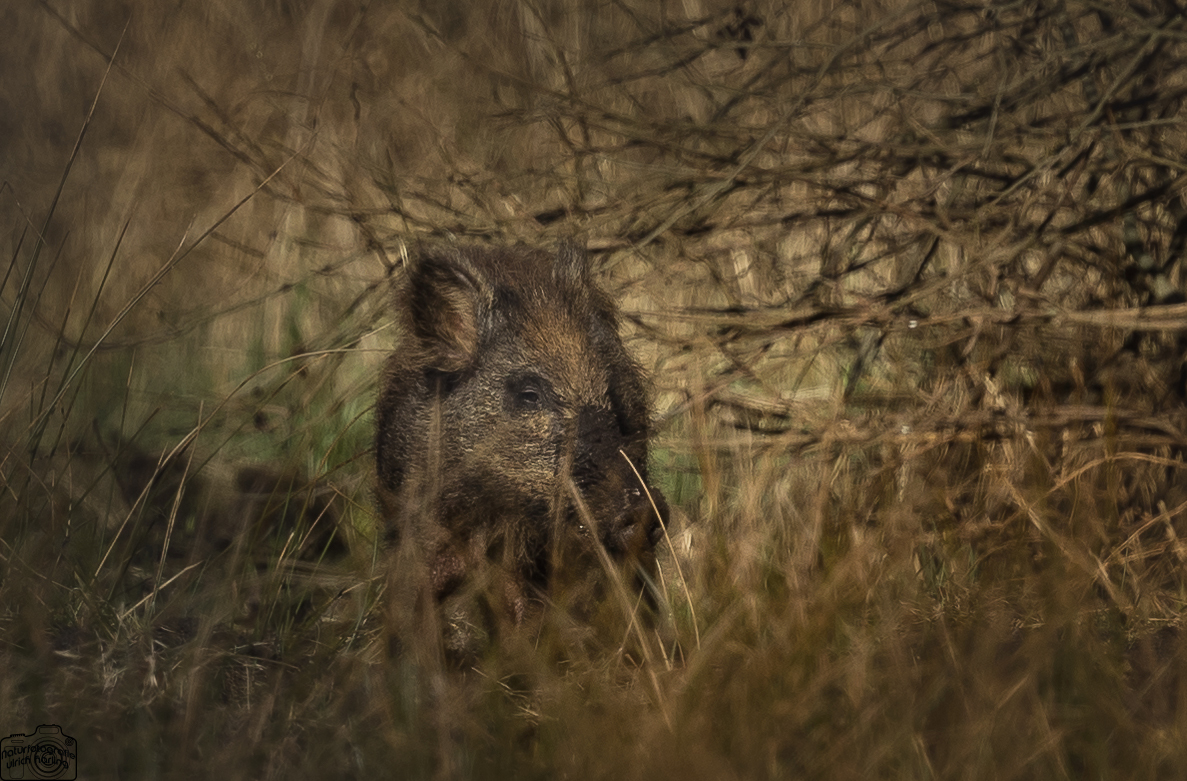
{"x":513,"y":431}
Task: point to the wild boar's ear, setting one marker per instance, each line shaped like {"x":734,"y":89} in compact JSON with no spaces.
{"x":572,"y":265}
{"x":572,"y":270}
{"x":446,"y":298}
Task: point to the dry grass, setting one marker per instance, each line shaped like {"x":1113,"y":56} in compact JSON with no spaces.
{"x":907,"y":277}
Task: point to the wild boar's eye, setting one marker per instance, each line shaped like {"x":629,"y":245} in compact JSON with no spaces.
{"x":526,"y":393}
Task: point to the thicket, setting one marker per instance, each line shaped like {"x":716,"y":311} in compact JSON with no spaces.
{"x":907,"y":277}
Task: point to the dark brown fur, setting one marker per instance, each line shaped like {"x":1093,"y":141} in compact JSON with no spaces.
{"x":503,"y":421}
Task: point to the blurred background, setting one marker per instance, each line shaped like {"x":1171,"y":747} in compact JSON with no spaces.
{"x":907,"y":277}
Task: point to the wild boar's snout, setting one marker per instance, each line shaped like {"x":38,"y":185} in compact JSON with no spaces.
{"x":608,"y":469}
